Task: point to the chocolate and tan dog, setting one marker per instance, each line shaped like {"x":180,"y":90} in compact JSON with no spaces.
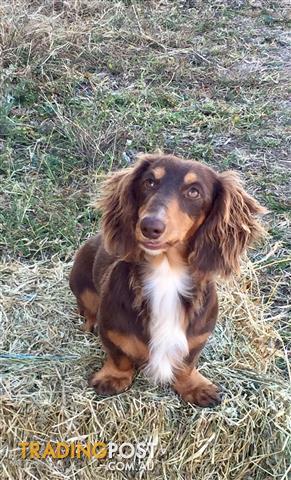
{"x":147,"y":281}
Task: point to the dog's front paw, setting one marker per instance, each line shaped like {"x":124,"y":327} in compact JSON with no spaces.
{"x":108,"y":384}
{"x":205,"y":395}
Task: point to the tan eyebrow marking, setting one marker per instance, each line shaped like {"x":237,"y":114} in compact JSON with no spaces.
{"x":190,"y":177}
{"x":159,"y":172}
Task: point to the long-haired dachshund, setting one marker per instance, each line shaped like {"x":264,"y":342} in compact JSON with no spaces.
{"x":147,"y":281}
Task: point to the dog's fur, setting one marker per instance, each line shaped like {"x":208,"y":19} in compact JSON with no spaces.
{"x":154,"y":301}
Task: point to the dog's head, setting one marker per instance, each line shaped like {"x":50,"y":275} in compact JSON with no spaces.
{"x":163,"y":201}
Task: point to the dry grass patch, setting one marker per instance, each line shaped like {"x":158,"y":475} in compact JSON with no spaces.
{"x":45,"y":396}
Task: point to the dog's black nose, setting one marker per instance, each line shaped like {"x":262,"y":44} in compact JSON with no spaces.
{"x":152,"y":227}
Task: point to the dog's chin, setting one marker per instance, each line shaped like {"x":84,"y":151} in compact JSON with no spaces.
{"x":152,"y":248}
{"x":153,"y":253}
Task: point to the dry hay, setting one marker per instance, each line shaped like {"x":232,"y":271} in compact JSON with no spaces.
{"x":45,"y":396}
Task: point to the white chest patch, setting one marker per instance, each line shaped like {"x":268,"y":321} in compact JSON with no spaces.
{"x":168,"y":344}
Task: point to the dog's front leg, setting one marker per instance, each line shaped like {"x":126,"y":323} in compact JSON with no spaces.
{"x":115,"y":376}
{"x":190,"y":384}
{"x":195,"y":388}
{"x":125,"y":351}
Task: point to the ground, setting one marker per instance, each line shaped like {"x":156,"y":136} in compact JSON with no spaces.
{"x":85,"y":86}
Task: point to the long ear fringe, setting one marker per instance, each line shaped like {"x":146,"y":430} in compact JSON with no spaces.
{"x":230,"y":228}
{"x":119,"y":209}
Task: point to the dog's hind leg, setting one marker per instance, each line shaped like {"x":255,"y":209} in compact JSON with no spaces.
{"x":88,"y":304}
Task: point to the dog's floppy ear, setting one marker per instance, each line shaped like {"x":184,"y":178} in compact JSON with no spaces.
{"x":119,"y":206}
{"x":230,"y":227}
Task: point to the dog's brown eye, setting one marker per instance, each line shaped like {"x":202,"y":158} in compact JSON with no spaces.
{"x":149,"y":183}
{"x":193,"y":193}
